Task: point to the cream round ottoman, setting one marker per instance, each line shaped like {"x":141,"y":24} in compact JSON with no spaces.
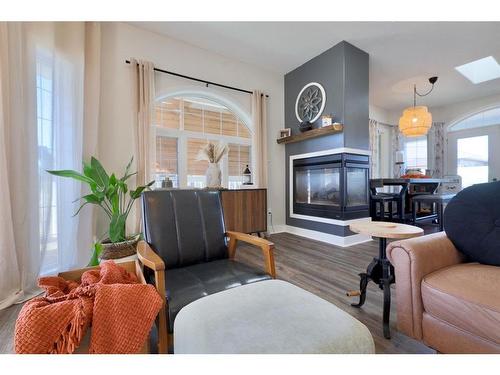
{"x":268,"y":317}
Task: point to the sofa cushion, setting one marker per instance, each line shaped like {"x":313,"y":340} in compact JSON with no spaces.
{"x":472,"y":222}
{"x":466,"y":296}
{"x":187,"y":284}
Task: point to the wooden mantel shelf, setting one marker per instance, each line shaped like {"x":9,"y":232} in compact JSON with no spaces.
{"x":313,"y":133}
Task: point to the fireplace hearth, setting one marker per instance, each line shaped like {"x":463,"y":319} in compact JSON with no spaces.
{"x":331,"y":186}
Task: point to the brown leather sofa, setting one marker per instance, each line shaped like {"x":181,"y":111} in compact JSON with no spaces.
{"x":450,"y":305}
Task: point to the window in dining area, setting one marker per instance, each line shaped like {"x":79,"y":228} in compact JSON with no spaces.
{"x":416,"y":153}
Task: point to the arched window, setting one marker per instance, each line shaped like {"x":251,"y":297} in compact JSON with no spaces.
{"x":489,"y":117}
{"x":184,"y":124}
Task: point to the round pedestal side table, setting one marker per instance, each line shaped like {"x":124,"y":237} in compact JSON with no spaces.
{"x":380,"y":270}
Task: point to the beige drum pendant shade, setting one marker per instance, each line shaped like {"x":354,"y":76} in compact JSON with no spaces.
{"x":416,"y":121}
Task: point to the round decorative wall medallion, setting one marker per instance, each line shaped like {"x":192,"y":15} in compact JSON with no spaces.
{"x":310,"y":102}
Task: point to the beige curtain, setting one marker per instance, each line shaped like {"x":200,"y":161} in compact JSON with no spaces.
{"x":144,"y":136}
{"x":145,"y":101}
{"x":44,"y":124}
{"x":92,"y":88}
{"x":87,"y":233}
{"x":259,"y":144}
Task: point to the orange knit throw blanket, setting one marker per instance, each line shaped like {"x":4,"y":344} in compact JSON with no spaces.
{"x":120,"y":310}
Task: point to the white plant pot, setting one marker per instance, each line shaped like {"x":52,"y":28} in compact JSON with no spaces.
{"x":213,"y":175}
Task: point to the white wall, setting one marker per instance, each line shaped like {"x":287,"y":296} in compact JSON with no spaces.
{"x":379,"y":114}
{"x":457,"y":111}
{"x":122,"y":41}
{"x":386,"y":153}
{"x":447,"y":113}
{"x":452,"y":113}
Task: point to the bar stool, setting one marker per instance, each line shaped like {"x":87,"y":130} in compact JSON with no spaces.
{"x":439,"y":200}
{"x":381,"y":199}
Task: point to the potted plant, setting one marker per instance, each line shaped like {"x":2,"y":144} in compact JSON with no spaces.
{"x":110,"y":193}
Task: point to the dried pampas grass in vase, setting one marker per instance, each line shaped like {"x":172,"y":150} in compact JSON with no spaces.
{"x":213,"y":153}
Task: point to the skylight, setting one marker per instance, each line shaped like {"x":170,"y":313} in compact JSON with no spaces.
{"x":481,"y":70}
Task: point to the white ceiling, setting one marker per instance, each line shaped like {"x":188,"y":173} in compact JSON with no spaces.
{"x":401,"y":53}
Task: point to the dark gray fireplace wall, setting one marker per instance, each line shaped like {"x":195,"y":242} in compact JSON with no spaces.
{"x":356,"y":88}
{"x":343,"y":71}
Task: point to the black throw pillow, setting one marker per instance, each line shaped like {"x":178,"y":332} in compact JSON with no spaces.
{"x":472,"y":222}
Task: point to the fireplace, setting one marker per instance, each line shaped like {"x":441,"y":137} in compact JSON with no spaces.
{"x":331,"y":186}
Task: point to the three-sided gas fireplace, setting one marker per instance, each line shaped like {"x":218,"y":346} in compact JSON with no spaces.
{"x":331,"y":186}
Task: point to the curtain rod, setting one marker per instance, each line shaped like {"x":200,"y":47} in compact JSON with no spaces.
{"x":201,"y":80}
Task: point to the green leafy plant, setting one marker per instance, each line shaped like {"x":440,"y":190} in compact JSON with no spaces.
{"x":108,"y":192}
{"x":94,"y":260}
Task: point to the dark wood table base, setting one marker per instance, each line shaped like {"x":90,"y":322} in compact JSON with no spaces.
{"x":381,"y":272}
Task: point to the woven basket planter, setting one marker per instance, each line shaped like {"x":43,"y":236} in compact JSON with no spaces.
{"x":117,"y":250}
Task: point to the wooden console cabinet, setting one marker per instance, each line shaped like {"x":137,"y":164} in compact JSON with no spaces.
{"x":245,"y":210}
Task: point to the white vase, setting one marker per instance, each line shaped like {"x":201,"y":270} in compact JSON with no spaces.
{"x":213,"y":175}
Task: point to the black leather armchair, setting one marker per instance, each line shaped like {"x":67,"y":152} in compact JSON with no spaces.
{"x":190,"y":252}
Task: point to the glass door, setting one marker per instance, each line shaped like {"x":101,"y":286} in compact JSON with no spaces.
{"x":317,"y":186}
{"x":472,"y":160}
{"x":356,"y":186}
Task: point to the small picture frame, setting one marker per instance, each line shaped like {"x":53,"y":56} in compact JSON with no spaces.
{"x":285,"y":132}
{"x":326,"y":120}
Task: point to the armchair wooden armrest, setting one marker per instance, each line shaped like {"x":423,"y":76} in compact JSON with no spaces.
{"x":266,"y":246}
{"x":150,"y":259}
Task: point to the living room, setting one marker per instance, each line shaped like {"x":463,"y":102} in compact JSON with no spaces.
{"x":333,"y":182}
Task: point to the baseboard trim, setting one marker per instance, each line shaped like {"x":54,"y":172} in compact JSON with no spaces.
{"x":323,"y":237}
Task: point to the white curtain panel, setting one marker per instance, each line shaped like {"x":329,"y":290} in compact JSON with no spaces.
{"x":374,"y":131}
{"x":259,"y":141}
{"x":42,"y":80}
{"x":19,"y":235}
{"x":435,"y":149}
{"x":397,"y":143}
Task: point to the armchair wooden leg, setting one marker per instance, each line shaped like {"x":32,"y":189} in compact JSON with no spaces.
{"x":162,"y":316}
{"x":231,"y":249}
{"x":269,"y":256}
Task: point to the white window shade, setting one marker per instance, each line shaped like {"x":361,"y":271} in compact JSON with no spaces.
{"x":416,"y":153}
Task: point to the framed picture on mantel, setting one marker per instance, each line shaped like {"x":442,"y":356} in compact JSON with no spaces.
{"x":285,"y":133}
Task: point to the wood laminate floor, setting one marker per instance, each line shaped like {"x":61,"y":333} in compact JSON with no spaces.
{"x":325,"y":270}
{"x":329,"y":271}
{"x":7,"y":322}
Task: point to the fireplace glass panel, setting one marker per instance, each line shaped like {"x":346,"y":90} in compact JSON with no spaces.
{"x":357,"y":180}
{"x":318,"y":186}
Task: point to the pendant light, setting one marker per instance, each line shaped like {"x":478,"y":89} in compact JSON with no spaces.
{"x":417,"y":120}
